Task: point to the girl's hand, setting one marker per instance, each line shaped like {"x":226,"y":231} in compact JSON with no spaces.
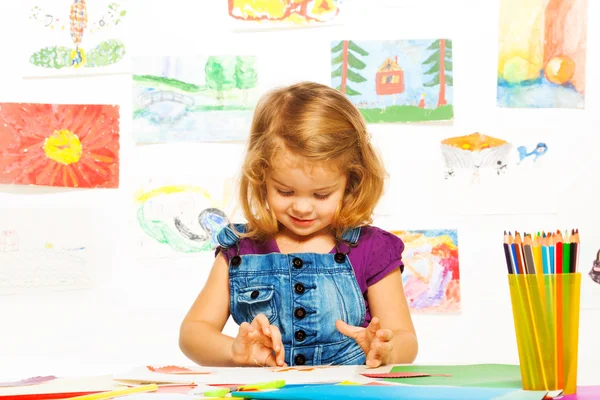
{"x":258,"y":344}
{"x":375,"y":342}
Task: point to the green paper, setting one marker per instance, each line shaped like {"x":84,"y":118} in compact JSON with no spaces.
{"x":477,"y":375}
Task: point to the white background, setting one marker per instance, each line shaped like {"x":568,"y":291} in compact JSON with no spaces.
{"x":132,"y":315}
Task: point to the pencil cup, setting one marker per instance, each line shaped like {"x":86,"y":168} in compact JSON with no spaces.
{"x":546,"y":316}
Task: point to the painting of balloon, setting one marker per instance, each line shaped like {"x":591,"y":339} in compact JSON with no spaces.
{"x":65,"y":37}
{"x":542,"y":54}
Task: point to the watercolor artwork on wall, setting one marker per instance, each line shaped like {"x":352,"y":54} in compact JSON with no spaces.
{"x":396,"y":80}
{"x":431,"y":270}
{"x":56,"y":258}
{"x":477,"y":153}
{"x":208,"y":98}
{"x":177,"y":219}
{"x":542,"y":54}
{"x":75,"y":37}
{"x":251,"y":14}
{"x":74,"y":145}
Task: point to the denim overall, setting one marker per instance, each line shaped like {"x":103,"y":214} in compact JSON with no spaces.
{"x":303,"y":294}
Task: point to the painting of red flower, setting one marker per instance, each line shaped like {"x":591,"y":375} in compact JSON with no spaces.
{"x":66,"y":145}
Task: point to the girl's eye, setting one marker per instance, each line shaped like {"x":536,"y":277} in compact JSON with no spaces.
{"x":283,"y":193}
{"x":322,"y":196}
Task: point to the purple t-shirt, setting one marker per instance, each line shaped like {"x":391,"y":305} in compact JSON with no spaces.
{"x":378,"y":252}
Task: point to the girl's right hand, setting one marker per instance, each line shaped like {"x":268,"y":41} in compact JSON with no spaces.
{"x":258,"y":344}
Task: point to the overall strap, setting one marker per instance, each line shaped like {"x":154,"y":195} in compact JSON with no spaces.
{"x":351,"y":236}
{"x":228,"y":236}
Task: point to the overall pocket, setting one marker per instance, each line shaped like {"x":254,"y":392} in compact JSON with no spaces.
{"x":255,"y":300}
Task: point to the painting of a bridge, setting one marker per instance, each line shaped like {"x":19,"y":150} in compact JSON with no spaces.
{"x":396,"y":80}
{"x":203,"y":98}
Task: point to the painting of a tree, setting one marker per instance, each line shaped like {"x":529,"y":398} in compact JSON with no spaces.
{"x":440,"y":64}
{"x":219,"y":75}
{"x":245,"y":74}
{"x":348,"y":62}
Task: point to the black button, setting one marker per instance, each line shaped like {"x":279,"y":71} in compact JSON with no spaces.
{"x":339,"y":257}
{"x":300,"y":313}
{"x":299,"y":359}
{"x":236,"y":260}
{"x":299,"y":288}
{"x":300,"y":335}
{"x":297,"y":263}
{"x":254,"y":294}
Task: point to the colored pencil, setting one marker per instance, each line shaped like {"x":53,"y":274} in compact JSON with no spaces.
{"x":559,"y":253}
{"x":507,"y":253}
{"x":528,"y":251}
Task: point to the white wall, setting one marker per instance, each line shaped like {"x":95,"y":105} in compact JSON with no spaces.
{"x":132,"y":315}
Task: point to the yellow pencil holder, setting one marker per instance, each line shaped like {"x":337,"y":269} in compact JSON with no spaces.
{"x":546,"y":315}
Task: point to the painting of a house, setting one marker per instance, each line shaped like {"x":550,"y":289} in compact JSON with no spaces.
{"x":396,"y":80}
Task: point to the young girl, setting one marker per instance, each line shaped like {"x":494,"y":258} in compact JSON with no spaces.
{"x":307,"y":279}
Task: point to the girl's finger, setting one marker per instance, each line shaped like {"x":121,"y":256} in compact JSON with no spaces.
{"x":374,"y":359}
{"x":245,"y":330}
{"x":385,"y":334}
{"x":374,"y":325}
{"x":277,"y":345}
{"x":263,"y":323}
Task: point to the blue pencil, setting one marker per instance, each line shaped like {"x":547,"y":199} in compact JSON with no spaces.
{"x":551,"y":247}
{"x":514,"y":254}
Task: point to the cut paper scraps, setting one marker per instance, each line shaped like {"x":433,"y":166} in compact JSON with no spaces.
{"x":396,"y":80}
{"x":29,"y":381}
{"x":300,"y":368}
{"x":431,"y":270}
{"x":178,"y":219}
{"x":476,"y":153}
{"x":75,"y":36}
{"x":283,"y":12}
{"x":73,"y":146}
{"x":174,"y":369}
{"x":402,"y":375}
{"x":204,"y":98}
{"x":542,"y":53}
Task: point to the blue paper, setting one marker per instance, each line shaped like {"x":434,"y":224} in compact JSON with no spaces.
{"x":359,"y":392}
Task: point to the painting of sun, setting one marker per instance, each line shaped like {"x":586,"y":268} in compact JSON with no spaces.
{"x":59,"y":145}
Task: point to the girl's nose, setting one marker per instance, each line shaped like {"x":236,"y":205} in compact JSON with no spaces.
{"x":302,"y":206}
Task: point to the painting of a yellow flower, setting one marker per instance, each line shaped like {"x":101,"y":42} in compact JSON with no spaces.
{"x":59,"y":145}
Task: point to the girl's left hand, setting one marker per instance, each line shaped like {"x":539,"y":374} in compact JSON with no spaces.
{"x":375,"y":342}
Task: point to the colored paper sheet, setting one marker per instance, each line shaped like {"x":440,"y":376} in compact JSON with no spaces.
{"x":349,"y":392}
{"x":402,"y":375}
{"x":584,"y":393}
{"x":29,"y":381}
{"x":476,"y":375}
{"x":174,"y":369}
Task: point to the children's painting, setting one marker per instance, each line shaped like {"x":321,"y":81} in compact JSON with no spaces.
{"x":283,"y":13}
{"x":71,"y":37}
{"x":396,"y":80}
{"x":176,"y":218}
{"x":476,"y":154}
{"x":431,"y":270}
{"x":542,"y":53}
{"x":207,"y":98}
{"x":55,"y":258}
{"x":74,"y":146}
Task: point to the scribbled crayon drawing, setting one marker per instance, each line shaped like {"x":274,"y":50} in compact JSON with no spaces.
{"x":595,"y":271}
{"x":59,"y":145}
{"x":474,"y":152}
{"x":207,"y":98}
{"x":431,"y":270}
{"x":179,"y":219}
{"x":396,"y":80}
{"x":9,"y":241}
{"x":55,"y":258}
{"x":542,"y":53}
{"x":539,"y":150}
{"x":86,"y":35}
{"x":294,"y":12}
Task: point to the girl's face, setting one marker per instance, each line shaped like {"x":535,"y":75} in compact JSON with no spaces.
{"x":303,"y":196}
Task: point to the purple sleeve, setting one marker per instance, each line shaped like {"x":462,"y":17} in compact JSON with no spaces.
{"x":220,"y":249}
{"x":385,"y":256}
